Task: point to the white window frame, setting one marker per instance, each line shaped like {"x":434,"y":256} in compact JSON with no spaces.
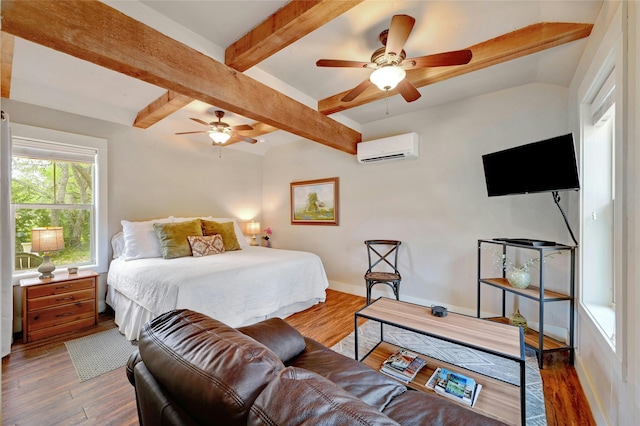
{"x":606,"y":319}
{"x":100,"y":237}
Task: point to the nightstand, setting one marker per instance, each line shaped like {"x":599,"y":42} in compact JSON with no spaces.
{"x":60,"y":304}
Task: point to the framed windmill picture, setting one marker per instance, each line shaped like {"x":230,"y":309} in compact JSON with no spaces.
{"x":315,"y":202}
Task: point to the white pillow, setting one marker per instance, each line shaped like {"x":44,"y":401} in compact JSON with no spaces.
{"x":140,"y":239}
{"x":242,"y":240}
{"x":117,"y":244}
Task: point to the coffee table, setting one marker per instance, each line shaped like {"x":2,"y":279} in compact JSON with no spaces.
{"x":497,"y":399}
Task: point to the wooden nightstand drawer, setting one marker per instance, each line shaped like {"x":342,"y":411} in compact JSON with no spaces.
{"x":63,"y":303}
{"x":57,"y":329}
{"x":60,"y":299}
{"x":60,"y":314}
{"x":60,"y":287}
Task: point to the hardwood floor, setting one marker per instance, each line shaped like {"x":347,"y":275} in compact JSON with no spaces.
{"x":40,"y":386}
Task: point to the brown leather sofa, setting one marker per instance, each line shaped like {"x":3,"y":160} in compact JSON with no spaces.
{"x":193,"y":370}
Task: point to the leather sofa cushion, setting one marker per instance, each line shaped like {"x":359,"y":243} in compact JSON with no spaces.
{"x":284,"y":340}
{"x":301,"y":397}
{"x":414,"y":408}
{"x":212,"y":371}
{"x":358,"y":379}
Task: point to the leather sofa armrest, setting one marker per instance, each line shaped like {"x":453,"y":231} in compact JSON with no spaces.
{"x":131,"y":365}
{"x":155,"y":406}
{"x":284,"y":340}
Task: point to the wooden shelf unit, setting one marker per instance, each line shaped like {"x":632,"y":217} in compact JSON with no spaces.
{"x":536,"y":340}
{"x":532,"y":338}
{"x":498,"y":399}
{"x":530,"y":292}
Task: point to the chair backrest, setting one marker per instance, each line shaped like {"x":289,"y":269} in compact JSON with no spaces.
{"x":27,"y":261}
{"x":381,"y":253}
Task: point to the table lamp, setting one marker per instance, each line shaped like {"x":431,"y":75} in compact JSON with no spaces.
{"x":46,"y":240}
{"x":253,"y":228}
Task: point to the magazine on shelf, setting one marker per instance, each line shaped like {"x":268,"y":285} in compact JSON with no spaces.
{"x":403,"y":365}
{"x":401,"y":359}
{"x":455,"y":386}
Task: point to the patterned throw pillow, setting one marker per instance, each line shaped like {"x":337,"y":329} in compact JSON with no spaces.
{"x":207,"y":245}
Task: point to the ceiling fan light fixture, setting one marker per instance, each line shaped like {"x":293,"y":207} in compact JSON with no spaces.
{"x":387,"y":77}
{"x":219,"y":137}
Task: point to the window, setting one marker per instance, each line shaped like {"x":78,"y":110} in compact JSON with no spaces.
{"x":59,"y":182}
{"x":601,"y":208}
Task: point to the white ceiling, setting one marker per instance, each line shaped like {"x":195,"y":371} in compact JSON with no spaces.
{"x":79,"y":87}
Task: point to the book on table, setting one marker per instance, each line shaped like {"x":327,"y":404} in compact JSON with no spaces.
{"x":455,"y":386}
{"x":403,"y":365}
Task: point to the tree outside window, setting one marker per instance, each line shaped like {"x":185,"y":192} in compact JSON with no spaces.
{"x":47,"y":192}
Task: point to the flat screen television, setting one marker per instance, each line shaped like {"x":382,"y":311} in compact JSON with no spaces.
{"x":544,"y":166}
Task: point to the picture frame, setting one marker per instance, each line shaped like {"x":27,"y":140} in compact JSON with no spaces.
{"x":315,"y":202}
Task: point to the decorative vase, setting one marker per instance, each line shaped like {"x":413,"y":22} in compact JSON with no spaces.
{"x":518,"y":278}
{"x":267,"y":243}
{"x":518,"y":320}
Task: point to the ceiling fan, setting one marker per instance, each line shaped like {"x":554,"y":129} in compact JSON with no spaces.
{"x":389,"y":63}
{"x":221,"y":132}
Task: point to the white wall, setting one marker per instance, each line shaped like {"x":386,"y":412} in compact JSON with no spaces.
{"x":436,"y":205}
{"x":611,"y":378}
{"x":155,"y":175}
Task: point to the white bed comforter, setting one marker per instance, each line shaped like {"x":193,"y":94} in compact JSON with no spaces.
{"x":231,"y":287}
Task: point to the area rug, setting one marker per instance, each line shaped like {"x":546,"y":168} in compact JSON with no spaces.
{"x":99,"y":353}
{"x":487,"y":364}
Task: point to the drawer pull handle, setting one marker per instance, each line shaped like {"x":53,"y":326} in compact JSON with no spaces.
{"x":63,"y":286}
{"x":66,"y":314}
{"x":60,"y":299}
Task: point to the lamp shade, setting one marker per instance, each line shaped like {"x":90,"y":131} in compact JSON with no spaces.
{"x":253,"y":228}
{"x":387,"y":77}
{"x":219,"y":137}
{"x":47,"y":239}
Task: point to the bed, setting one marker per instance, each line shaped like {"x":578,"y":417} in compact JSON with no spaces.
{"x":237,"y":287}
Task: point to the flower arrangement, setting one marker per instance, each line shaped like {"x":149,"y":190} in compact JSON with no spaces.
{"x":267,"y":234}
{"x":503,"y":263}
{"x":517,"y":274}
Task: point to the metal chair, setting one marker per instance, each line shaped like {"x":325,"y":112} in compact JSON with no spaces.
{"x":385,"y":272}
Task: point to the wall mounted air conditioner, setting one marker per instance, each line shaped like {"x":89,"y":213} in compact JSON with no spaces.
{"x":392,"y":148}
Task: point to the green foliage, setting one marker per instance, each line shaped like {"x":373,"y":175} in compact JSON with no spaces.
{"x":54,"y":193}
{"x":312,"y":202}
{"x":314,"y":210}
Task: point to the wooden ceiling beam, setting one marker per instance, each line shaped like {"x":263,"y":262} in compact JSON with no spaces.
{"x":6,"y":41}
{"x":522,"y":42}
{"x":164,"y":106}
{"x":292,"y":22}
{"x":95,"y":32}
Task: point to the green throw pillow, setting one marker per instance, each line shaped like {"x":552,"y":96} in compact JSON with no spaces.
{"x":226,"y":230}
{"x":173,"y":237}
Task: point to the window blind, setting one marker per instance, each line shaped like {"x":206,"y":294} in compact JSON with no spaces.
{"x":53,"y":151}
{"x":603,"y":100}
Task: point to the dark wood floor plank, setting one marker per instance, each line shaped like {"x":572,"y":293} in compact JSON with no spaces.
{"x":40,"y":386}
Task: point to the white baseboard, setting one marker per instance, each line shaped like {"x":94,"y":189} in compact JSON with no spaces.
{"x":385,"y":291}
{"x":595,"y":404}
